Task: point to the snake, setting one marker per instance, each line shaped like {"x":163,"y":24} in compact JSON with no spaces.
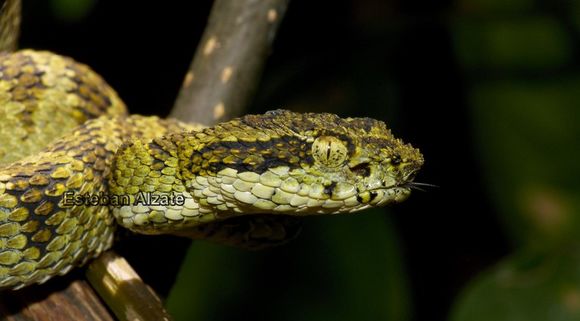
{"x":75,"y":167}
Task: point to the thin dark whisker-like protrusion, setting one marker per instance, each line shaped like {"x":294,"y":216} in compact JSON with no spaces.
{"x":417,"y":188}
{"x":423,"y":184}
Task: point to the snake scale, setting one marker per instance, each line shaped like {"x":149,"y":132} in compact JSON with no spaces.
{"x":74,"y":166}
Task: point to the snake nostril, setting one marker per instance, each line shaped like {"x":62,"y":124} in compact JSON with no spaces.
{"x":362,"y":169}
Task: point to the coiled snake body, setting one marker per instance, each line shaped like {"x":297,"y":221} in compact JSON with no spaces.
{"x":242,"y":182}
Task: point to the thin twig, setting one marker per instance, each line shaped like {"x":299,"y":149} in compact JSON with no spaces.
{"x":229,"y":60}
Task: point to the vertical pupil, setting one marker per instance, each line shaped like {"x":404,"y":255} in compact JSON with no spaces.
{"x":328,"y":150}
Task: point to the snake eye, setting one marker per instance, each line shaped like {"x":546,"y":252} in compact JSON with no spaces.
{"x":329,"y":151}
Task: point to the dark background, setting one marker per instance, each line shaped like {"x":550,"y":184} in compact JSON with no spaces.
{"x":392,"y":60}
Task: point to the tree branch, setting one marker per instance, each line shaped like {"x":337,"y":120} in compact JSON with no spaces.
{"x":68,"y":299}
{"x":9,"y":24}
{"x":229,"y":60}
{"x":123,"y":290}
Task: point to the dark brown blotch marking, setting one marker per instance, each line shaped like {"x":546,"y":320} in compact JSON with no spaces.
{"x":266,"y":154}
{"x":362,"y":169}
{"x":328,"y":189}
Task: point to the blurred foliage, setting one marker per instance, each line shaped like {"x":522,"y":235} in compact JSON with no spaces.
{"x":484,"y":7}
{"x":524,"y":96}
{"x":527,"y":43}
{"x":72,"y":10}
{"x":277,"y":284}
{"x":526,"y":135}
{"x":526,"y":287}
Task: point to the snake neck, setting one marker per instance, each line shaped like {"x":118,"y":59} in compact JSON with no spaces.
{"x":162,"y":199}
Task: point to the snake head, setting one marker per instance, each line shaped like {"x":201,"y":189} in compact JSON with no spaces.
{"x":297,"y":163}
{"x":377,"y":167}
{"x":280,"y":162}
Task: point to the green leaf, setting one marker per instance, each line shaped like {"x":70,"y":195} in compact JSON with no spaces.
{"x":526,"y":287}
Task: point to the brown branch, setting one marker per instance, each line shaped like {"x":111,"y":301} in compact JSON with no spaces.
{"x":9,"y":24}
{"x":229,"y":60}
{"x":123,"y":290}
{"x":63,"y":300}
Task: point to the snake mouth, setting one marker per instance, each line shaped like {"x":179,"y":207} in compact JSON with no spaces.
{"x":394,"y":194}
{"x":390,"y":189}
{"x":384,"y":196}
